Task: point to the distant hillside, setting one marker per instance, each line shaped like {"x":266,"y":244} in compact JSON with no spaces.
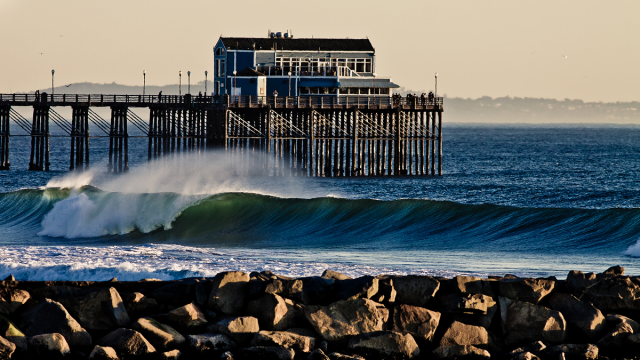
{"x":484,"y":109}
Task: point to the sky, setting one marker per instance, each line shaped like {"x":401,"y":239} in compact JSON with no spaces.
{"x":575,"y":49}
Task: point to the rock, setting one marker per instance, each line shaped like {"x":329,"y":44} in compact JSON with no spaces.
{"x":525,"y":356}
{"x":103,"y":353}
{"x":534,"y":348}
{"x":525,"y":322}
{"x":10,"y":278}
{"x":577,"y":281}
{"x":241,"y":329}
{"x":9,"y":331}
{"x":49,"y":346}
{"x":614,"y":294}
{"x":342,"y":319}
{"x":417,"y":321}
{"x":317,"y":290}
{"x":461,"y":352}
{"x":275,"y":313}
{"x":284,"y":339}
{"x":478,"y":309}
{"x":415,"y":290}
{"x":330,"y":274}
{"x":172,"y":355}
{"x":386,"y":292}
{"x":529,"y":290}
{"x":291,"y":289}
{"x":265,"y":353}
{"x":177,"y":293}
{"x":228,"y":292}
{"x":227,"y":356}
{"x":47,"y":317}
{"x":463,"y":334}
{"x":581,"y":315}
{"x":139,"y":305}
{"x":574,"y":351}
{"x":364,"y":287}
{"x":467,"y":285}
{"x":127,"y":342}
{"x":187,"y":318}
{"x":317,"y":354}
{"x":162,"y":337}
{"x":207,"y":343}
{"x":623,"y":327}
{"x":11,"y":299}
{"x":385,"y":345}
{"x":338,"y":356}
{"x":7,"y":348}
{"x":614,"y":270}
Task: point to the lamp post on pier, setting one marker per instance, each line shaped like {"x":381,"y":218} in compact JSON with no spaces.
{"x":144,"y":81}
{"x":374,"y":84}
{"x":205,"y":82}
{"x":180,"y":83}
{"x":235,"y":84}
{"x":52,"y":72}
{"x":436,"y":92}
{"x":189,"y":82}
{"x":289,"y":83}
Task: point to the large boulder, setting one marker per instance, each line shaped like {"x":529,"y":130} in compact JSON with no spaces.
{"x":11,"y":299}
{"x":103,"y":353}
{"x":417,"y":321}
{"x":9,"y":331}
{"x":385,"y":345}
{"x":284,"y":339}
{"x":127,"y":342}
{"x":622,"y":328}
{"x":139,"y":305}
{"x":265,"y":353}
{"x":275,"y":312}
{"x":461,"y":352}
{"x":291,"y":289}
{"x":573,"y":352}
{"x":614,"y":294}
{"x":171,"y":355}
{"x":241,"y":329}
{"x":467,"y":285}
{"x":163,"y":337}
{"x":317,"y":290}
{"x":415,"y":290}
{"x":47,"y":317}
{"x":228,"y":292}
{"x":529,"y":290}
{"x":386,"y":292}
{"x":364,"y":287}
{"x":577,"y":282}
{"x":6,"y":348}
{"x":330,"y":274}
{"x":188,"y":318}
{"x":94,"y":308}
{"x":463,"y":334}
{"x":523,"y":322}
{"x":48,"y":346}
{"x":208,"y":344}
{"x":346,"y":318}
{"x":581,"y":315}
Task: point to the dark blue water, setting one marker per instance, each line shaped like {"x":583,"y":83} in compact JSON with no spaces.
{"x":531,"y":200}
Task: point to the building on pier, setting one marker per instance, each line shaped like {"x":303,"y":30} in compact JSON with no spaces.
{"x":289,"y":66}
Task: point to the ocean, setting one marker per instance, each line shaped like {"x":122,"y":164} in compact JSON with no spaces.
{"x":529,"y":200}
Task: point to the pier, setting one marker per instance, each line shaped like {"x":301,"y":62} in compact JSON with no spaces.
{"x":326,"y":136}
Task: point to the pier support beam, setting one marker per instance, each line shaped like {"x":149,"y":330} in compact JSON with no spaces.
{"x":4,"y":136}
{"x":39,"y":158}
{"x":79,"y":138}
{"x":118,"y":140}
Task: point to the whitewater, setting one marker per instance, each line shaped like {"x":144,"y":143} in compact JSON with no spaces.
{"x":535,"y":201}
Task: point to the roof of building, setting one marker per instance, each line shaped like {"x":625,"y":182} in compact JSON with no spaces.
{"x":249,"y":72}
{"x":366,"y":82}
{"x":297,"y":44}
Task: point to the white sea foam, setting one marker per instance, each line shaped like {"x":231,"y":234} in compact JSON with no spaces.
{"x":153,"y":195}
{"x":166,"y":262}
{"x":633,"y":250}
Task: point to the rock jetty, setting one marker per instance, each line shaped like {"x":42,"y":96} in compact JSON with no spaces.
{"x":241,"y":316}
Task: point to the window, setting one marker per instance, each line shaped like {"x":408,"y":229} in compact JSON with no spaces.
{"x":219,"y":51}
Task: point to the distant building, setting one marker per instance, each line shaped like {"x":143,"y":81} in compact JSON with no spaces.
{"x":297,"y":67}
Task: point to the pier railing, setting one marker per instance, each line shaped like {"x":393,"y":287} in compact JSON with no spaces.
{"x":244,"y":101}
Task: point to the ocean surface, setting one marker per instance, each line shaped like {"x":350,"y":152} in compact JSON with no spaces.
{"x":530,"y":200}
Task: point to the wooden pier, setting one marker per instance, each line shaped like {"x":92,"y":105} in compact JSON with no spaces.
{"x":325,"y":136}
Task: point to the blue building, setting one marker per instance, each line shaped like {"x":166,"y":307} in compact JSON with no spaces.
{"x":281,"y":65}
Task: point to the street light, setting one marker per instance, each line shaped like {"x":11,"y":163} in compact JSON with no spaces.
{"x":235,"y":84}
{"x":374,"y":84}
{"x":144,"y":81}
{"x":205,"y":82}
{"x":289,"y":83}
{"x":180,"y":83}
{"x":52,"y":72}
{"x":189,"y":82}
{"x":436,"y":93}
